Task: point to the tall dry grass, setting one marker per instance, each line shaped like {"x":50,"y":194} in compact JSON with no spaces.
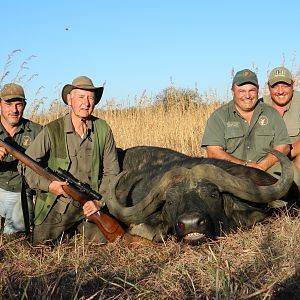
{"x":259,"y":263}
{"x":176,"y":124}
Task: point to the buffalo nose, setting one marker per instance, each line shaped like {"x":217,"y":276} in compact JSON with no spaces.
{"x":190,"y":220}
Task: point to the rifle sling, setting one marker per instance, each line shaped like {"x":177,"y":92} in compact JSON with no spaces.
{"x":25,"y":208}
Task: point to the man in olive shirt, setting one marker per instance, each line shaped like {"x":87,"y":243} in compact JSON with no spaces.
{"x":83,"y":145}
{"x":242,"y":129}
{"x":286,"y":101}
{"x":22,"y":132}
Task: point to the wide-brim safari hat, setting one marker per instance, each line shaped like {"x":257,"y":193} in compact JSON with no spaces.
{"x":82,"y":83}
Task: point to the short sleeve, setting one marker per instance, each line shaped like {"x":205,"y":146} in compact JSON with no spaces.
{"x":281,"y":134}
{"x":214,"y":133}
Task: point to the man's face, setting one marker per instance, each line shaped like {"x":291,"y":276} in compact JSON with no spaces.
{"x":12,"y":111}
{"x":245,"y":96}
{"x":281,"y":92}
{"x":82,"y":102}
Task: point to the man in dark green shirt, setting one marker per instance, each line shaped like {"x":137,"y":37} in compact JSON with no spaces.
{"x":241,"y":130}
{"x":23,"y":132}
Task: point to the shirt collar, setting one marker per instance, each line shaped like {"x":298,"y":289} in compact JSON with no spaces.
{"x":21,"y":128}
{"x":68,"y":125}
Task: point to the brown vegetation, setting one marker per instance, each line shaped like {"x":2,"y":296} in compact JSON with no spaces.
{"x":253,"y":264}
{"x":249,"y":264}
{"x":260,"y":263}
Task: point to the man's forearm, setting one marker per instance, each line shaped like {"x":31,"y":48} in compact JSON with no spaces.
{"x":37,"y":151}
{"x":219,"y":153}
{"x":269,"y":160}
{"x":36,"y":181}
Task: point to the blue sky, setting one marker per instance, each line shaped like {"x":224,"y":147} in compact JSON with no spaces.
{"x":138,"y":47}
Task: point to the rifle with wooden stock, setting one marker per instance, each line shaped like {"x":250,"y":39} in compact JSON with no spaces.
{"x":77,"y":190}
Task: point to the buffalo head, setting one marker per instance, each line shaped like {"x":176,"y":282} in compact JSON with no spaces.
{"x":193,"y":198}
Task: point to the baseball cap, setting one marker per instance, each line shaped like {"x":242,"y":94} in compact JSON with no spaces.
{"x":245,"y":76}
{"x":12,"y":91}
{"x":280,"y":74}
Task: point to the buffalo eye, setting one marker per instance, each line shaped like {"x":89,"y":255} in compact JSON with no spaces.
{"x":180,"y":225}
{"x":169,"y":202}
{"x":214,"y":194}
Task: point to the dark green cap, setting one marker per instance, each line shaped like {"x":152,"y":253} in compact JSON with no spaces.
{"x":245,"y":76}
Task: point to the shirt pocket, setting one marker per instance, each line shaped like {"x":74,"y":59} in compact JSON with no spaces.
{"x":62,"y":204}
{"x":265,"y":138}
{"x":234,"y":137}
{"x":294,"y":133}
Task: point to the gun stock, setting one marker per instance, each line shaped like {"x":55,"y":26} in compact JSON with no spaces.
{"x":109,"y":227}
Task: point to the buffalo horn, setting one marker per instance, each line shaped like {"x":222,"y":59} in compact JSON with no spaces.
{"x":138,"y":212}
{"x":245,"y":188}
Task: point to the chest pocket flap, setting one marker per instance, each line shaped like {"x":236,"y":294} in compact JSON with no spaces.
{"x":234,"y":132}
{"x":233,"y":139}
{"x":264,"y":132}
{"x":293,"y":131}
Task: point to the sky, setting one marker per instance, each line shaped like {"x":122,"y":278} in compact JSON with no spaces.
{"x":140,"y":47}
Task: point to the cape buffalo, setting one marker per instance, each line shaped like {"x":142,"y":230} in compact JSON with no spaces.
{"x":162,"y":192}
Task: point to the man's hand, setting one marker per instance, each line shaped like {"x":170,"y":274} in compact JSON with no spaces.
{"x":270,"y":160}
{"x":56,"y":188}
{"x":295,"y":151}
{"x":89,"y":208}
{"x":254,"y":164}
{"x":3,"y":153}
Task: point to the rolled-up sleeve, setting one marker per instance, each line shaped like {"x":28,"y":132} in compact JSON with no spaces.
{"x":111,"y":166}
{"x":38,"y":151}
{"x":214,"y":133}
{"x":281,"y":134}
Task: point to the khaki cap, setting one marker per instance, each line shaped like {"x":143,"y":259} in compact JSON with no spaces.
{"x":12,"y":91}
{"x":280,"y":74}
{"x":245,"y":76}
{"x":82,"y":83}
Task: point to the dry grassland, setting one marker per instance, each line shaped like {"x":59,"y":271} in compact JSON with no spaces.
{"x":249,"y":264}
{"x":178,"y":125}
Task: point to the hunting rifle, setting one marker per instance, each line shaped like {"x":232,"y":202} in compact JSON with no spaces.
{"x":77,"y":190}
